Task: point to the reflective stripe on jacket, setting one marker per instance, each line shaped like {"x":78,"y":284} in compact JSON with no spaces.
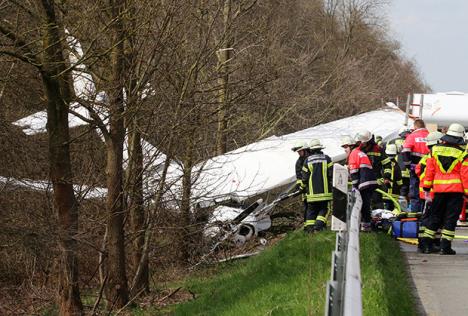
{"x":405,"y":172}
{"x":414,"y":147}
{"x":421,"y":173}
{"x":396,"y":180}
{"x":380,"y":162}
{"x":447,"y":171}
{"x":360,"y":168}
{"x":317,"y":175}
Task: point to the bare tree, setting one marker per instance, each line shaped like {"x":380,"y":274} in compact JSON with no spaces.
{"x":49,"y":57}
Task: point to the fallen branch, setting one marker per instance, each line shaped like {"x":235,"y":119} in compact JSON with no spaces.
{"x":169,"y":295}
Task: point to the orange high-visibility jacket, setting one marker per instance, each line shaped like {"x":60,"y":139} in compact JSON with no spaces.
{"x":447,"y":171}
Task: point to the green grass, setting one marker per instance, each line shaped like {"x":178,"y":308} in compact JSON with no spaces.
{"x":290,"y":278}
{"x":385,"y":289}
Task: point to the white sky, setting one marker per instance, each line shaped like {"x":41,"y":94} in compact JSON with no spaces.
{"x":434,"y":33}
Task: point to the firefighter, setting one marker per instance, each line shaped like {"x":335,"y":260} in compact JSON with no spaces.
{"x":414,"y":148}
{"x":433,"y":138}
{"x":379,"y":140}
{"x":316,"y":178}
{"x":447,"y":176}
{"x":380,"y":163}
{"x":394,"y":186}
{"x":403,"y":132}
{"x":302,"y":149}
{"x":405,"y":172}
{"x":348,"y":144}
{"x":363,"y":176}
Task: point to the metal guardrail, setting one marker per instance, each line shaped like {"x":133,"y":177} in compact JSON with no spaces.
{"x":344,"y":296}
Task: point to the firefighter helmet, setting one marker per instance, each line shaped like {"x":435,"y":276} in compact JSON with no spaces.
{"x":363,"y":136}
{"x":391,"y":150}
{"x":300,"y":145}
{"x":456,"y":130}
{"x":347,"y":141}
{"x":433,"y":138}
{"x":315,"y":144}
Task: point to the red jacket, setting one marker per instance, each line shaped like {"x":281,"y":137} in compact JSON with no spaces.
{"x":447,"y":171}
{"x":414,"y":147}
{"x":360,"y":167}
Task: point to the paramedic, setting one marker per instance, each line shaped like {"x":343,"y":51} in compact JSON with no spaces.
{"x":363,"y":176}
{"x":414,"y":148}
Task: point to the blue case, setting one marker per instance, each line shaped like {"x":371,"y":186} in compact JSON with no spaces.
{"x":405,"y":229}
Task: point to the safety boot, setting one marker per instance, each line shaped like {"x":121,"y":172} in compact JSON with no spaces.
{"x":436,"y":244}
{"x":446,"y":247}
{"x":309,"y":229}
{"x":420,"y":244}
{"x":427,"y":245}
{"x":319,"y":226}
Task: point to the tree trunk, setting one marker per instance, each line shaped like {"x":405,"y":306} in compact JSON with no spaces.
{"x":224,"y":55}
{"x":185,"y":205}
{"x":136,"y":208}
{"x":58,"y":91}
{"x":117,"y":287}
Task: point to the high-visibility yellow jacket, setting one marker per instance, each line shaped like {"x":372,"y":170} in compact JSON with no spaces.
{"x":448,"y":170}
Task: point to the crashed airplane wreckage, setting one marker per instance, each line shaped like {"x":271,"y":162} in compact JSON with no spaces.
{"x":250,"y":171}
{"x":268,"y":165}
{"x":241,"y":174}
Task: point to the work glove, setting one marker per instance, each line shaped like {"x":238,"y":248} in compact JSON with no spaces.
{"x":427,"y":197}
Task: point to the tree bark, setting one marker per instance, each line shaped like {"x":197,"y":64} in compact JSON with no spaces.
{"x":185,"y":204}
{"x":136,"y":209}
{"x":224,"y":55}
{"x":117,"y":287}
{"x":58,"y":91}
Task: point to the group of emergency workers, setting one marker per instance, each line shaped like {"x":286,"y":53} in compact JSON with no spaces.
{"x":428,"y":169}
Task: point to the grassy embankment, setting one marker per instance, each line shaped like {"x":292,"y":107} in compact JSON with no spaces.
{"x":290,"y":278}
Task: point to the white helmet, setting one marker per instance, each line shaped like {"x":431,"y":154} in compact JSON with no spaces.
{"x":347,"y":141}
{"x":456,"y":130}
{"x":363,"y":136}
{"x":391,"y":150}
{"x":300,"y":145}
{"x":315,"y":144}
{"x":433,"y":138}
